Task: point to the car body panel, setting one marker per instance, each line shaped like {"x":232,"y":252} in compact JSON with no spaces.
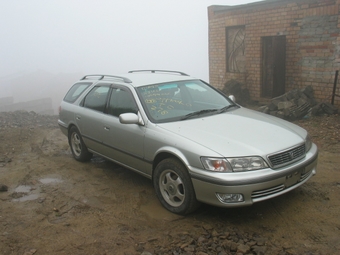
{"x":91,"y":127}
{"x":124,"y":142}
{"x":229,"y":130}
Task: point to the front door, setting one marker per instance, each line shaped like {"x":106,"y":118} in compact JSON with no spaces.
{"x":124,"y":142}
{"x":273,"y":66}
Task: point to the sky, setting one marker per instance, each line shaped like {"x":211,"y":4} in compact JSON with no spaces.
{"x":105,"y":36}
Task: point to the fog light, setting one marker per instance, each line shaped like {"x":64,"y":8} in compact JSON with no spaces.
{"x":230,"y":198}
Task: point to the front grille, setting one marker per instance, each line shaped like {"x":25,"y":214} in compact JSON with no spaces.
{"x":288,"y":156}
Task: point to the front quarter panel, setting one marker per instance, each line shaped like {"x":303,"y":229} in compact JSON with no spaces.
{"x":159,"y":140}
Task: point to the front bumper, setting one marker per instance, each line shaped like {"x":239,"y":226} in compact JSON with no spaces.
{"x":255,"y":186}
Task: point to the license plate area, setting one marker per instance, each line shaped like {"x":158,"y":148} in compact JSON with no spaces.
{"x":292,"y":178}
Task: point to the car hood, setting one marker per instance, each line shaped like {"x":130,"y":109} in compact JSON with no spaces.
{"x":241,"y":132}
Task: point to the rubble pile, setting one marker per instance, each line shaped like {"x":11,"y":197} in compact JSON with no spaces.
{"x":27,"y":119}
{"x":297,"y":104}
{"x":236,"y":89}
{"x":222,"y":241}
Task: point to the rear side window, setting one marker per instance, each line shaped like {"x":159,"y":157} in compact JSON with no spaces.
{"x":96,"y":98}
{"x":76,"y":90}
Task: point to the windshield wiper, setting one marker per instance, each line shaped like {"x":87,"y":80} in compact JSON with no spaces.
{"x":193,"y":114}
{"x":226,"y":108}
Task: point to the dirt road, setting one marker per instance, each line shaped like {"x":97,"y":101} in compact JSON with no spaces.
{"x":56,"y":205}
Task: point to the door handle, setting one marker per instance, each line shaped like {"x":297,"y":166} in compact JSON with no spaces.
{"x":78,"y":118}
{"x":107,"y":128}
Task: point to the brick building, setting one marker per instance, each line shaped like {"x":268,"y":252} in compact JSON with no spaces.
{"x":275,"y":46}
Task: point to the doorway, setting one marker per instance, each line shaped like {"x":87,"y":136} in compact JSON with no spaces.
{"x":273,"y":66}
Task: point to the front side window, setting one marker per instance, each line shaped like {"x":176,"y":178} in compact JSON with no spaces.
{"x":75,"y":91}
{"x":96,"y":98}
{"x":121,"y":101}
{"x":181,"y":100}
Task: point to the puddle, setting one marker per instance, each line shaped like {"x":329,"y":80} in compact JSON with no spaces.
{"x":26,"y":198}
{"x":21,"y":194}
{"x":98,"y":159}
{"x":23,"y":189}
{"x":49,"y":180}
{"x":93,"y":202}
{"x":24,"y":193}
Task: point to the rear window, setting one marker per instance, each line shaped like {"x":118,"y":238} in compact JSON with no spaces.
{"x":76,"y":90}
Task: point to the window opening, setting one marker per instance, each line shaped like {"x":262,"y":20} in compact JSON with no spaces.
{"x":235,"y":48}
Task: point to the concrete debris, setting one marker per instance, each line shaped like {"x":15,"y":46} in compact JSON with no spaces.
{"x":297,"y":104}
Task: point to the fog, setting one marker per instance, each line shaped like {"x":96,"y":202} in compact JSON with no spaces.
{"x":76,"y":37}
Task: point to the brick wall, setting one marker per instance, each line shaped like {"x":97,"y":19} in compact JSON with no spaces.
{"x":312,"y":30}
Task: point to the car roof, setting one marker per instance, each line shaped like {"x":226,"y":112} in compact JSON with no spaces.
{"x":142,"y":77}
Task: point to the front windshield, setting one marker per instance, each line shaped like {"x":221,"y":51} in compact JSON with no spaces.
{"x":181,"y":100}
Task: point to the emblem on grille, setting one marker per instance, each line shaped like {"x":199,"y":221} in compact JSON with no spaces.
{"x":291,"y":155}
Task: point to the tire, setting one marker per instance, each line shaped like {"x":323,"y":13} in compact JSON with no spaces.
{"x":174,"y":188}
{"x":78,"y":148}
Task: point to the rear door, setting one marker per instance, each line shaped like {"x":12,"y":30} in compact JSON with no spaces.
{"x":90,"y":117}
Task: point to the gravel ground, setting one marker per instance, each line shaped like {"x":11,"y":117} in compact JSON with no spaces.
{"x":101,"y":208}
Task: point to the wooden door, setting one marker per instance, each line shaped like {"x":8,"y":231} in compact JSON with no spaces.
{"x":273,"y":66}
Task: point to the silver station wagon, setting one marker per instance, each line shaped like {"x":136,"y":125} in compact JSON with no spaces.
{"x":194,"y":143}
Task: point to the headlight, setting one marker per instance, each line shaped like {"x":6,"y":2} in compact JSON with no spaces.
{"x":247,"y":164}
{"x":308,"y":143}
{"x":216,"y":164}
{"x":233,"y":164}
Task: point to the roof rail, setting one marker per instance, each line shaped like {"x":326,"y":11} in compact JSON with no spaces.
{"x":103,"y":76}
{"x":161,"y":71}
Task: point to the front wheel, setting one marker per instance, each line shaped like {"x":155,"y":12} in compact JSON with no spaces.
{"x":174,"y":188}
{"x":78,"y":148}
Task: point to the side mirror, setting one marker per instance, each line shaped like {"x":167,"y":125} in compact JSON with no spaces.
{"x":232,"y":97}
{"x":131,"y":118}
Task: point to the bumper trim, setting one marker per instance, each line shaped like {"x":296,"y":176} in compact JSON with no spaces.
{"x":283,"y":191}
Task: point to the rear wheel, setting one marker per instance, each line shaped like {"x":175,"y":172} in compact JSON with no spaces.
{"x":174,"y":188}
{"x":78,"y":148}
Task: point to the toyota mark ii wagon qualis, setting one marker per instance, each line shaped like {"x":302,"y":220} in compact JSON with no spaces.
{"x":195,"y":143}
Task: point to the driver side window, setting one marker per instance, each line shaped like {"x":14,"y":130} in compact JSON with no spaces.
{"x":121,"y":101}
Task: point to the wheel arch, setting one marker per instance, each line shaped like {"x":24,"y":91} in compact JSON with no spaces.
{"x":169,"y":153}
{"x":183,"y":184}
{"x":71,"y":125}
